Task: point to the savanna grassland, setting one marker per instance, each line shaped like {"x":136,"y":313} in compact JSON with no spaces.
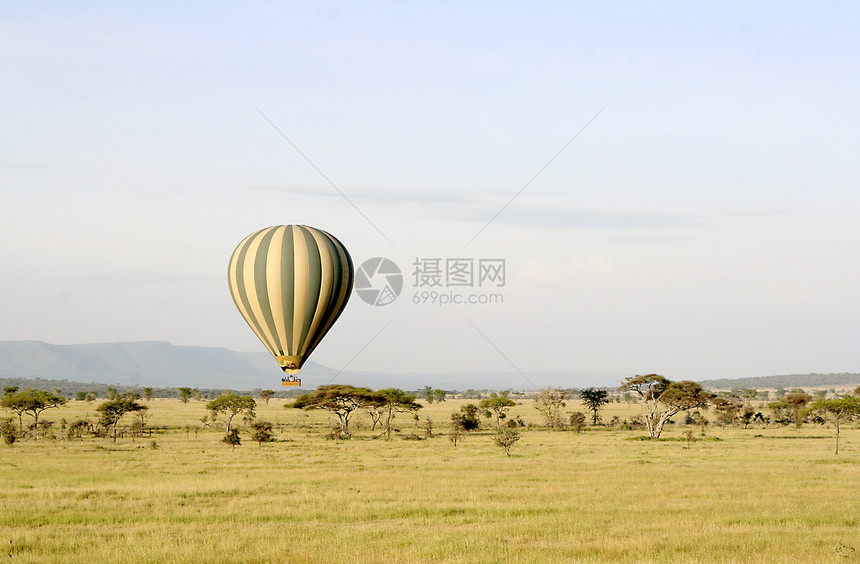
{"x":775,"y":494}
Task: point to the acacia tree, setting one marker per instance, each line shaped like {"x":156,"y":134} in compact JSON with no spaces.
{"x":549,"y":402}
{"x":231,"y":405}
{"x":664,"y":398}
{"x":498,"y":404}
{"x":185,"y":394}
{"x":794,"y":401}
{"x":467,"y":420}
{"x":392,"y":401}
{"x":110,"y":412}
{"x":838,"y":409}
{"x":594,"y":399}
{"x":506,"y":438}
{"x":727,"y":409}
{"x":340,"y":399}
{"x":261,"y":431}
{"x":266,"y":395}
{"x":232,"y":438}
{"x":32,"y":402}
{"x":440,"y":395}
{"x":15,"y":404}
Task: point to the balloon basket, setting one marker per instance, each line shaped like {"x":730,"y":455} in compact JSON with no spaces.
{"x":296,"y":382}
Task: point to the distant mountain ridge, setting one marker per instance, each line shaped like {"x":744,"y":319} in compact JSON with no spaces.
{"x":161,"y":364}
{"x":149,"y":363}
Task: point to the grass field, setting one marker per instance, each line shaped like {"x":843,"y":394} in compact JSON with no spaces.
{"x":755,"y":495}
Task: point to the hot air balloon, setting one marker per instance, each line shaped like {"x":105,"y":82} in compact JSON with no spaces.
{"x":290,"y":283}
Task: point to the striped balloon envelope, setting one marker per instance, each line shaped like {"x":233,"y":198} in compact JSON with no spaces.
{"x":290,"y":283}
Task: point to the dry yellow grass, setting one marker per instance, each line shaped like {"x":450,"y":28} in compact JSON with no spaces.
{"x":757,"y":495}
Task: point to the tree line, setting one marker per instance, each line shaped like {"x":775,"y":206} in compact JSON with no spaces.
{"x":661,"y":399}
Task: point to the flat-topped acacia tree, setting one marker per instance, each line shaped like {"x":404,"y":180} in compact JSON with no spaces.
{"x":664,"y":398}
{"x":392,"y":401}
{"x":30,"y":401}
{"x":230,"y":405}
{"x":340,"y":399}
{"x":838,"y":409}
{"x":497,"y":404}
{"x":110,"y":412}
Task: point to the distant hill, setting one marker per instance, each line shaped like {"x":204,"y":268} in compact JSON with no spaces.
{"x":161,"y":364}
{"x":841,"y":380}
{"x":146,"y":363}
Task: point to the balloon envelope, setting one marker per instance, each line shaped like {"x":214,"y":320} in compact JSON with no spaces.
{"x":290,"y":283}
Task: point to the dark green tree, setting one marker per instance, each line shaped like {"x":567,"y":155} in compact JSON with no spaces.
{"x":147,"y":393}
{"x":232,"y":438}
{"x":185,"y":394}
{"x":340,"y":399}
{"x":664,"y":398}
{"x":497,"y":404}
{"x":594,"y":399}
{"x":467,"y":420}
{"x":7,"y":431}
{"x":112,"y":411}
{"x":230,"y":405}
{"x":261,"y":431}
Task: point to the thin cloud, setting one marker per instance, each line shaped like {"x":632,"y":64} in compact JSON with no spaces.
{"x":476,"y":206}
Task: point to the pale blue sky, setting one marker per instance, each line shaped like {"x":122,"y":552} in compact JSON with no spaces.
{"x":704,"y":224}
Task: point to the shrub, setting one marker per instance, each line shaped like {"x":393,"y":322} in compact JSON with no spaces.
{"x":7,"y":430}
{"x":506,"y":438}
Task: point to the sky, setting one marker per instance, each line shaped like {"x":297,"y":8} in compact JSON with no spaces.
{"x":673,"y":187}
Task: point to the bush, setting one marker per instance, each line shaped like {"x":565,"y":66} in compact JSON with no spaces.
{"x":232,"y":438}
{"x":7,"y":430}
{"x":467,"y":419}
{"x":77,"y":428}
{"x":506,"y":438}
{"x":577,"y":421}
{"x":261,"y":432}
